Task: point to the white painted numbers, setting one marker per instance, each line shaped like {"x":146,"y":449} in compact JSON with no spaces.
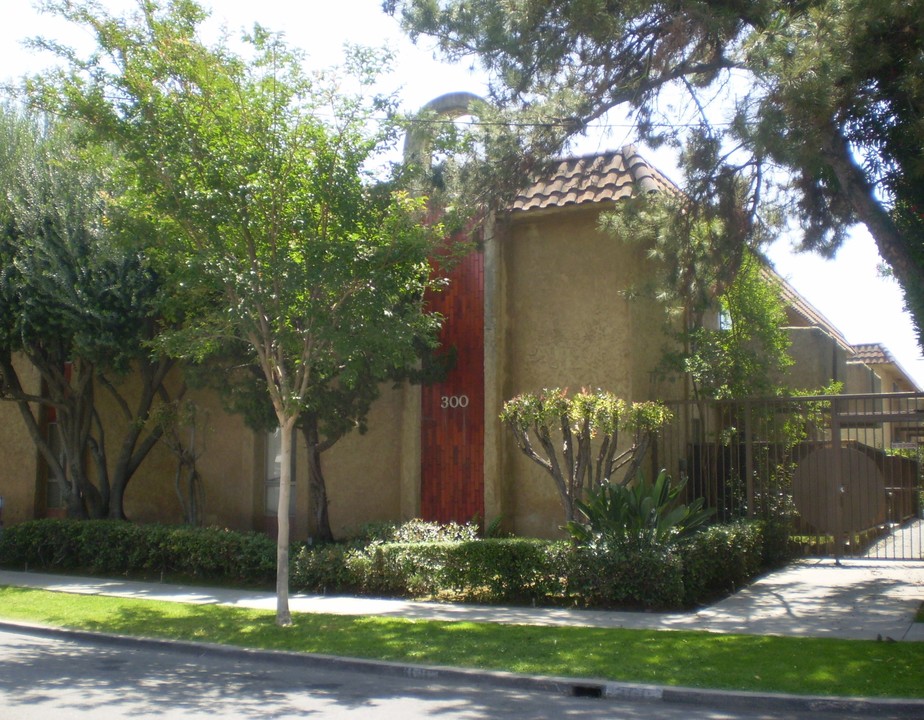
{"x":453,"y":401}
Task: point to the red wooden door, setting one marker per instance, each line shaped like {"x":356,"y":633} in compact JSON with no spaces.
{"x":452,"y":427}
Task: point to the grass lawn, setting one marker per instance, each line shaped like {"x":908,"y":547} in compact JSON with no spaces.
{"x":692,"y":659}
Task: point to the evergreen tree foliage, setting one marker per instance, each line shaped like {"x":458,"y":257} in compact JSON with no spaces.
{"x":823,"y":99}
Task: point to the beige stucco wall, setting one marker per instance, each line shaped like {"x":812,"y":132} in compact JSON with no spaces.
{"x":18,"y":457}
{"x":363,"y":472}
{"x":567,"y":324}
{"x":231,"y":457}
{"x":228,"y":466}
{"x":893,"y":380}
{"x":861,"y":379}
{"x":817,"y":359}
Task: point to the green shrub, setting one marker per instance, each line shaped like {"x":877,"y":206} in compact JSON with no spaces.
{"x":508,"y":570}
{"x":779,"y":547}
{"x":503,"y":570}
{"x":645,"y":513}
{"x":604,"y":575}
{"x":493,"y":570}
{"x":109,"y":547}
{"x":117,"y":547}
{"x":416,"y":531}
{"x":40,"y":543}
{"x":720,"y":560}
{"x":701,"y":567}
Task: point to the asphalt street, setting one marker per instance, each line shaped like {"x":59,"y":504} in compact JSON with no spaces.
{"x":44,"y":677}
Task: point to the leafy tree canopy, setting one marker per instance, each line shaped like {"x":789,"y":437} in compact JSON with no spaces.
{"x":827,"y":97}
{"x":748,"y":356}
{"x":79,"y":300}
{"x":259,"y":175}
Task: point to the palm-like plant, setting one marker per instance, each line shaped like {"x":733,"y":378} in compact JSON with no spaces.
{"x":645,"y":512}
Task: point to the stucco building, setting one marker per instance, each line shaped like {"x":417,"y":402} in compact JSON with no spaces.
{"x":540,"y":303}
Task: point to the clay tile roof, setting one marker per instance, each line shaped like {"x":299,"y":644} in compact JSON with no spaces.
{"x":872,"y":354}
{"x":878,"y":354}
{"x":605,"y":177}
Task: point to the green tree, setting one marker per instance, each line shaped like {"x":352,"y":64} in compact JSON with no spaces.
{"x":828,"y":97}
{"x":78,"y":300}
{"x":335,"y":409}
{"x":747,"y":356}
{"x":260,"y":173}
{"x":703,"y":269}
{"x":576,"y":439}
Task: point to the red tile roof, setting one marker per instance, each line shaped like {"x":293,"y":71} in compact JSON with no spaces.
{"x":605,"y":177}
{"x":878,"y":354}
{"x":872,"y":354}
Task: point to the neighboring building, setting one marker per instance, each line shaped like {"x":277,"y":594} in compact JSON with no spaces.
{"x":877,"y":358}
{"x":822,"y":354}
{"x":819,"y":350}
{"x":541,"y":303}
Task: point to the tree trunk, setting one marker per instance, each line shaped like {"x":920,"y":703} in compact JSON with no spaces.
{"x":71,"y":392}
{"x":286,"y":426}
{"x":11,"y":387}
{"x":134,"y":449}
{"x":891,"y":244}
{"x":317,"y":486}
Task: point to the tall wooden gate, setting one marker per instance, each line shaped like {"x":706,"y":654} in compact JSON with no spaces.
{"x":452,"y":417}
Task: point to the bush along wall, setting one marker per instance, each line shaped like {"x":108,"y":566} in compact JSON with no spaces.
{"x":719,"y":560}
{"x":688,"y":572}
{"x":120,"y":548}
{"x":695,"y":569}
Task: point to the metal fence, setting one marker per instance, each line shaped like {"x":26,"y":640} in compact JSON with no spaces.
{"x":847,"y":469}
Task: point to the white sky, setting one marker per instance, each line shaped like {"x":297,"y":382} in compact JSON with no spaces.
{"x":848,"y":290}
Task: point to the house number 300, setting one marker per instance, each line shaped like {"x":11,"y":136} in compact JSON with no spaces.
{"x":454,"y":401}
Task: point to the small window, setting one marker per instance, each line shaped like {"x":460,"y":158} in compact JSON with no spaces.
{"x":272,"y":473}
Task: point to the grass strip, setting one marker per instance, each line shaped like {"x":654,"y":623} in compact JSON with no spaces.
{"x":814,"y":666}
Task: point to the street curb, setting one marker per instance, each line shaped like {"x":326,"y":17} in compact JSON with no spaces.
{"x":577,"y":687}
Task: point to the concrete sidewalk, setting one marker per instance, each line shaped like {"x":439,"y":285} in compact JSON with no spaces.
{"x":859,"y":599}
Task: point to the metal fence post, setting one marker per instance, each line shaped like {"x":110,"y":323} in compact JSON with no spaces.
{"x":749,"y":457}
{"x":838,"y":485}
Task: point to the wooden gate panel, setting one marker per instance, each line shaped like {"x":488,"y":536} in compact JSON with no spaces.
{"x":452,"y":428}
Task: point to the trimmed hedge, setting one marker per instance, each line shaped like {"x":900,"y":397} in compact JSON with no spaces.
{"x":696,"y":569}
{"x":699,"y":568}
{"x":415,"y":531}
{"x":606,"y":577}
{"x":510,"y":570}
{"x":118,"y":547}
{"x":719,"y":560}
